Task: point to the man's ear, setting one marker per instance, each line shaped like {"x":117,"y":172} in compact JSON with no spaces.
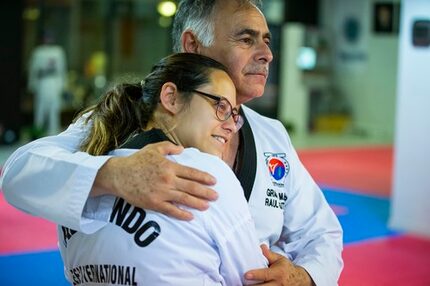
{"x":190,"y":44}
{"x":169,"y":97}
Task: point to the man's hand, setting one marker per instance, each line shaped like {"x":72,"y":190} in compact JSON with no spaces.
{"x":281,"y":271}
{"x":148,"y":180}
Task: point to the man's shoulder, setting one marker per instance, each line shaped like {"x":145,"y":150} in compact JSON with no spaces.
{"x":263,"y":124}
{"x":254,"y":115}
{"x":258,"y":121}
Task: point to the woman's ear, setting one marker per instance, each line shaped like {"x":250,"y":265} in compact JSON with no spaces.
{"x":169,"y":97}
{"x":190,"y":44}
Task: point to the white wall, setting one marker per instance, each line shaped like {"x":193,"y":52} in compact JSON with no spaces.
{"x":410,"y":209}
{"x":369,"y":81}
{"x":294,"y":100}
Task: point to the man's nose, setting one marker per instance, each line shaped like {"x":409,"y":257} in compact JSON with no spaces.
{"x":265,"y":53}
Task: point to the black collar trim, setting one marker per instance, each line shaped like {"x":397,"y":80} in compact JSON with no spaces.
{"x":247,"y":158}
{"x":144,"y":138}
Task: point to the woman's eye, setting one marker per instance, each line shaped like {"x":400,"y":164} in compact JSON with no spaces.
{"x":222,"y":107}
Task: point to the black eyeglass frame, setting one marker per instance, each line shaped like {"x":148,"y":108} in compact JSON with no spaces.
{"x":237,"y":118}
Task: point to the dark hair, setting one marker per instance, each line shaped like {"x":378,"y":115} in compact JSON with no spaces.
{"x":197,"y":15}
{"x":128,"y":107}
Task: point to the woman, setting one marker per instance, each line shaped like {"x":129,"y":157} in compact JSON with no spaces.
{"x":187,"y":99}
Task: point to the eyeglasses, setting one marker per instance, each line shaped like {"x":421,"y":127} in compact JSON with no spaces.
{"x":224,"y":110}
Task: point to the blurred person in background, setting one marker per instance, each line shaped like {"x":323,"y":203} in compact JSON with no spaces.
{"x":47,"y":80}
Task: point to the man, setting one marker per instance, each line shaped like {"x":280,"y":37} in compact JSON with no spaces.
{"x":289,"y":210}
{"x":46,"y":80}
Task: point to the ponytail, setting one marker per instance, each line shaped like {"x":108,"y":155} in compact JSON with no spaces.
{"x":119,"y":114}
{"x":127,"y":108}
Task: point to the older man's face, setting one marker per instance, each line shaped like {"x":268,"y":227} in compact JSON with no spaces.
{"x":242,"y":43}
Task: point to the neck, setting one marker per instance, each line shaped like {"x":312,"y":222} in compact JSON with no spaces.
{"x":169,"y":132}
{"x":229,"y":156}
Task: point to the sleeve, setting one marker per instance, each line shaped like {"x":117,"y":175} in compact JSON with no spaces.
{"x":229,"y":222}
{"x":311,"y":234}
{"x":49,"y":178}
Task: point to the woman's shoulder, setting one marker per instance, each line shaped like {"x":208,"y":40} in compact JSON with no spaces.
{"x":193,"y":157}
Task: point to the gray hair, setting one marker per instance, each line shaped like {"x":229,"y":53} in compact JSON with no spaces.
{"x":197,"y":16}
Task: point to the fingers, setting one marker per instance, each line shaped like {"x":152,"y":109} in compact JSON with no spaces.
{"x":270,"y":255}
{"x":263,"y":274}
{"x":188,"y":200}
{"x":192,"y":174}
{"x":272,"y":274}
{"x":195,"y":189}
{"x":171,"y":210}
{"x":147,"y":179}
{"x":168,"y":148}
{"x":169,"y":205}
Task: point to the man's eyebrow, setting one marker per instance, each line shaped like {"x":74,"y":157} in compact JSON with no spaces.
{"x":253,"y":33}
{"x":267,"y":35}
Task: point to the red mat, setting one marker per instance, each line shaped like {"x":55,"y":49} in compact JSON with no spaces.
{"x":20,"y":232}
{"x":363,"y":170}
{"x":387,"y":262}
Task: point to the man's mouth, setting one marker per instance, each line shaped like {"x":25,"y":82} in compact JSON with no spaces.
{"x":264,"y":73}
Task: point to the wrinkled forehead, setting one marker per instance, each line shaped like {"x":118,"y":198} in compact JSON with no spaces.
{"x":230,"y":15}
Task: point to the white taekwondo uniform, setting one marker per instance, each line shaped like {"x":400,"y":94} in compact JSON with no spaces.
{"x":148,"y":248}
{"x":47,"y":79}
{"x":289,"y":210}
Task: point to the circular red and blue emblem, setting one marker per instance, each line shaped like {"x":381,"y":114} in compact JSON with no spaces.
{"x":276,"y":168}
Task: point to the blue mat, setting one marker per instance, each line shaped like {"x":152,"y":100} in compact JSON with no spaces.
{"x":366,"y":216}
{"x":36,"y":269}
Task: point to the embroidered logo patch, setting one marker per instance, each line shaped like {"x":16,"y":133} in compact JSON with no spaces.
{"x":278,"y":167}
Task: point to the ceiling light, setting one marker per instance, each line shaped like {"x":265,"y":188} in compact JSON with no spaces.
{"x":166,"y":8}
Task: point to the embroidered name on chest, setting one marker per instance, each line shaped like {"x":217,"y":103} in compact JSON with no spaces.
{"x":275,"y":199}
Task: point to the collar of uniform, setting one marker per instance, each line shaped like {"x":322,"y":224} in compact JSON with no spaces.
{"x":246,"y":159}
{"x":144,"y":138}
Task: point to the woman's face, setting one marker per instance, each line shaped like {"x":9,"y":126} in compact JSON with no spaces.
{"x":198,"y":125}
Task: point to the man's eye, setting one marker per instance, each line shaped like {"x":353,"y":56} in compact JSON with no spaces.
{"x":247,"y":41}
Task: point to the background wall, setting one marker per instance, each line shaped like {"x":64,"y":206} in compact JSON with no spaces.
{"x":411,"y":185}
{"x":365,"y":64}
{"x":10,"y":80}
{"x":355,"y":74}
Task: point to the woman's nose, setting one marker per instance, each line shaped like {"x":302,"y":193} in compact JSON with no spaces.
{"x":229,"y":125}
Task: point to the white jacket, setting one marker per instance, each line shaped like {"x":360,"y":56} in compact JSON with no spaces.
{"x":216,"y":248}
{"x":305,"y":229}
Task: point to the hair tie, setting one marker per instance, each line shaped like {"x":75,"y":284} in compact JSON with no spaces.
{"x":146,"y":98}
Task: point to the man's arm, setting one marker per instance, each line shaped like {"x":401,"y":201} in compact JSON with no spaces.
{"x":311,"y":238}
{"x":51,"y":179}
{"x":147,"y":179}
{"x":281,"y":271}
{"x":311,"y":235}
